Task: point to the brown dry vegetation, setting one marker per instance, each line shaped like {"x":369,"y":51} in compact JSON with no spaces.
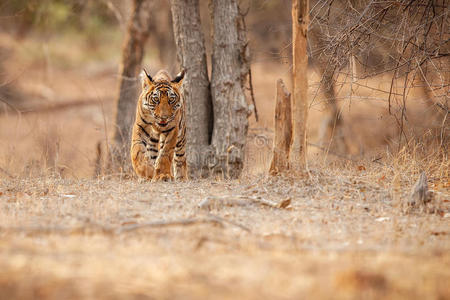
{"x":346,"y":234}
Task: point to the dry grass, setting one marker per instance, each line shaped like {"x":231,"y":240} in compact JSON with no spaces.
{"x":346,"y":233}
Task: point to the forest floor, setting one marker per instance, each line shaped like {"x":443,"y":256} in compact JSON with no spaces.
{"x":341,"y":233}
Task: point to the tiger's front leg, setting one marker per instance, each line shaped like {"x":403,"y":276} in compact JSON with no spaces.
{"x":163,"y":163}
{"x":141,"y":162}
{"x":180,"y":156}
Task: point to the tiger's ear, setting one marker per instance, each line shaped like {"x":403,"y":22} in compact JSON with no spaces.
{"x":146,"y":79}
{"x":178,"y":80}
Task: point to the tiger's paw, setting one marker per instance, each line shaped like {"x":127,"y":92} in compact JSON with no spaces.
{"x":181,"y":172}
{"x":180,"y":178}
{"x":162,"y":177}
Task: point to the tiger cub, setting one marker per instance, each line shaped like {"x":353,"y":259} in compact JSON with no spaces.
{"x":159,"y":133}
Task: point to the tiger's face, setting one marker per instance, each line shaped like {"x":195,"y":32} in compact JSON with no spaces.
{"x":161,"y":98}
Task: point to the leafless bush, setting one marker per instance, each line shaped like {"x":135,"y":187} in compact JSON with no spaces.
{"x":408,"y":40}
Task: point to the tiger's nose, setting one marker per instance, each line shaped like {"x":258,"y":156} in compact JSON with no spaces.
{"x":164,"y":119}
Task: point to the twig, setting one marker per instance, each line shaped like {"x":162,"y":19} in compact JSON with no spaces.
{"x":282,"y":204}
{"x":35,"y":230}
{"x":95,"y":227}
{"x":446,"y":110}
{"x":98,"y":160}
{"x":217,"y":218}
{"x":241,"y":200}
{"x":209,"y":219}
{"x":116,"y":13}
{"x":376,"y":160}
{"x":6,"y":173}
{"x":252,"y":94}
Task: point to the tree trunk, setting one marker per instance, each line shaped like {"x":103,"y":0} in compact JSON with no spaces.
{"x":283,"y":131}
{"x":132,"y":53}
{"x":331,"y":131}
{"x":192,"y":57}
{"x":163,"y":36}
{"x":300,"y":21}
{"x":229,"y":70}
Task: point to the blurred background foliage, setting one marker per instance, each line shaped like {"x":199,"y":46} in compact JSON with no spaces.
{"x":63,"y":56}
{"x":44,"y":16}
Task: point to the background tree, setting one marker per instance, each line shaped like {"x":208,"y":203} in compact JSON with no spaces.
{"x":138,"y":29}
{"x":300,"y":22}
{"x":217,"y":109}
{"x":191,"y":55}
{"x":229,"y":70}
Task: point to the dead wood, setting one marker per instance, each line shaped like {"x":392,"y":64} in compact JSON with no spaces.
{"x":300,"y":20}
{"x":93,"y":227}
{"x":98,"y":160}
{"x":208,"y":219}
{"x":419,"y":192}
{"x":283,"y":130}
{"x":252,"y":94}
{"x":41,"y":230}
{"x":241,"y":200}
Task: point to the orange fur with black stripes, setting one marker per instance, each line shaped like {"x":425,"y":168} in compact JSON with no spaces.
{"x":158,"y":145}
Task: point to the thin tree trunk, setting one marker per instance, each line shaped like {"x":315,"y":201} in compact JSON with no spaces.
{"x":163,"y":36}
{"x":192,"y":57}
{"x":227,"y":88}
{"x":132,"y":53}
{"x":300,"y":21}
{"x":331,"y":132}
{"x":283,"y":131}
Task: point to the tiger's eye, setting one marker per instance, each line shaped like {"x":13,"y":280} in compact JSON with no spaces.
{"x":172,"y":97}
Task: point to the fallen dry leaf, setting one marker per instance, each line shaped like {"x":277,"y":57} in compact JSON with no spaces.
{"x":285,"y":203}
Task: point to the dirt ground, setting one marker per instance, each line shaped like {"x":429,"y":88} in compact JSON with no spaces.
{"x":342,"y":234}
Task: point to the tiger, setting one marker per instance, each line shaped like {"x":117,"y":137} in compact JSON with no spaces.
{"x":158,"y":140}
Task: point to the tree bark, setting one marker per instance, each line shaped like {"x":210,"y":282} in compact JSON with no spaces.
{"x":227,"y":88}
{"x":283,"y":131}
{"x":191,"y":55}
{"x":162,"y":35}
{"x":300,"y":21}
{"x":132,"y":53}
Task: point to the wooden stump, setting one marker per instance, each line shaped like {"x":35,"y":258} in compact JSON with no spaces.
{"x":283,"y":131}
{"x":420,"y":194}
